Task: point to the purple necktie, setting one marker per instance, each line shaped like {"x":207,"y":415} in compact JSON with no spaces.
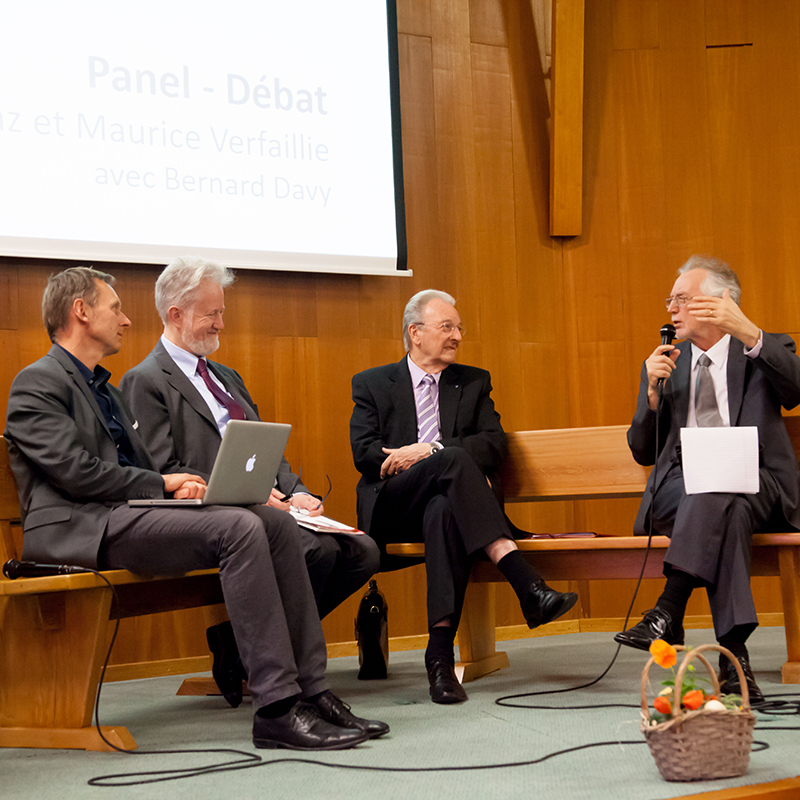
{"x":427,"y":418}
{"x":235,"y":411}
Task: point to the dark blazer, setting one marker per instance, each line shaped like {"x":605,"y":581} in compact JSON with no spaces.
{"x":385,"y":415}
{"x":65,"y":462}
{"x":757,"y":388}
{"x":175,"y":421}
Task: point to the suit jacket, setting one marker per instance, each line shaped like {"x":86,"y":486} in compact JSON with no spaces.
{"x":385,"y":415}
{"x":757,"y":388}
{"x":176,"y":423}
{"x":65,"y":462}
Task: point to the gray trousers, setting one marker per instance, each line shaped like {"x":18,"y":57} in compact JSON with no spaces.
{"x":710,"y":538}
{"x":264,"y":582}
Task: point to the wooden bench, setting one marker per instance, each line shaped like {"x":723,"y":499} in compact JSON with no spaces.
{"x":584,"y":463}
{"x":55,"y":634}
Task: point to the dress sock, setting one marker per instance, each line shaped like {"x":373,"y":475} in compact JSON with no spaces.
{"x":278,"y":708}
{"x":735,"y":640}
{"x":518,"y":572}
{"x":440,"y":643}
{"x":676,"y":594}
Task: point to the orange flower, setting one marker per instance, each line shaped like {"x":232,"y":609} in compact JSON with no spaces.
{"x":662,"y":705}
{"x":693,"y":699}
{"x":665,"y":655}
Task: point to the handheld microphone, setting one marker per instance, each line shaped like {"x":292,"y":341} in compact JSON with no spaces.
{"x":667,"y":335}
{"x":13,"y":569}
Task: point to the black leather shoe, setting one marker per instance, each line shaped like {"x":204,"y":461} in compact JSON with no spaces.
{"x":227,"y":668}
{"x":445,"y":687}
{"x":656,"y":624}
{"x":729,"y":681}
{"x":337,"y":712}
{"x":543,"y":604}
{"x":302,"y":728}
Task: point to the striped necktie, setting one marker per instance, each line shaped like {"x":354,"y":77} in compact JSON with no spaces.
{"x":427,"y":418}
{"x":705,"y":397}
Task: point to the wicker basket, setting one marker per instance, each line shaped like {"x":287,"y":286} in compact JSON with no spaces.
{"x":700,"y":745}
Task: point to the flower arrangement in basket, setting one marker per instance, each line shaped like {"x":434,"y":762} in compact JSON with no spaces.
{"x":694,"y":735}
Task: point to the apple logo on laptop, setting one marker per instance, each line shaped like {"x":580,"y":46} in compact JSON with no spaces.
{"x":251,"y":462}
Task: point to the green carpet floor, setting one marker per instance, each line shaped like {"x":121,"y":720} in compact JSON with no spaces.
{"x":475,"y":750}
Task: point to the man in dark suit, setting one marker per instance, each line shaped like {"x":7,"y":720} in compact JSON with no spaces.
{"x":182,"y":421}
{"x":78,"y":459}
{"x":427,"y":441}
{"x":726,"y":372}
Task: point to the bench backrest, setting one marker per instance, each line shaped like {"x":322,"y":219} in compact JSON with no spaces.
{"x":580,"y":463}
{"x":9,"y":508}
{"x":563,"y":464}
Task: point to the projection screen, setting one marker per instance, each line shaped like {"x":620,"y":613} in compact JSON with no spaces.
{"x":261,"y":133}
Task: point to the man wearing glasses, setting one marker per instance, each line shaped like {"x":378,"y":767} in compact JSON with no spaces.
{"x":184,"y":402}
{"x":726,"y":373}
{"x":427,"y":441}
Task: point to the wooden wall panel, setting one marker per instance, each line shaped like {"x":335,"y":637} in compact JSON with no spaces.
{"x":730,"y":89}
{"x":414,"y":16}
{"x":688,"y":184}
{"x":455,"y":158}
{"x":642,"y":181}
{"x":593,"y":295}
{"x":775,"y":295}
{"x":635,"y":24}
{"x":419,"y":169}
{"x":494,"y":211}
{"x":728,"y":22}
{"x":540,"y":296}
{"x":487,"y":24}
{"x":690,"y":145}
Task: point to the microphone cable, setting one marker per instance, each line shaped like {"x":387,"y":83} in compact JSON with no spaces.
{"x":506,"y":699}
{"x":249,"y":759}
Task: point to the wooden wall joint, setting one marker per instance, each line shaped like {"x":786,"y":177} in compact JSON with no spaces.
{"x":566,"y":134}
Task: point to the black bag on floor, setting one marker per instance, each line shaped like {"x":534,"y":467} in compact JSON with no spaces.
{"x":372,"y":634}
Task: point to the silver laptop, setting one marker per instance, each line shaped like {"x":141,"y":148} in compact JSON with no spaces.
{"x":245,"y":468}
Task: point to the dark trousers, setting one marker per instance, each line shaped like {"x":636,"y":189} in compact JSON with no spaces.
{"x":338,"y":565}
{"x":264,"y":581}
{"x":710,"y":538}
{"x":445,"y":502}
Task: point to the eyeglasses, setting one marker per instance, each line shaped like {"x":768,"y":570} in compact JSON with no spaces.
{"x":445,"y":327}
{"x":321,"y":502}
{"x":679,"y":300}
{"x":330,"y":486}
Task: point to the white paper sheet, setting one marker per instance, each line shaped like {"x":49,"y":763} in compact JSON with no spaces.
{"x":720,"y":460}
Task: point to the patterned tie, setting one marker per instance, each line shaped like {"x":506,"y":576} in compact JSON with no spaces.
{"x":427,"y":418}
{"x":705,"y":397}
{"x":235,"y":411}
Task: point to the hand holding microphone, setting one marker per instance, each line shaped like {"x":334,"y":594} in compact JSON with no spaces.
{"x":667,"y":335}
{"x":660,"y":364}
